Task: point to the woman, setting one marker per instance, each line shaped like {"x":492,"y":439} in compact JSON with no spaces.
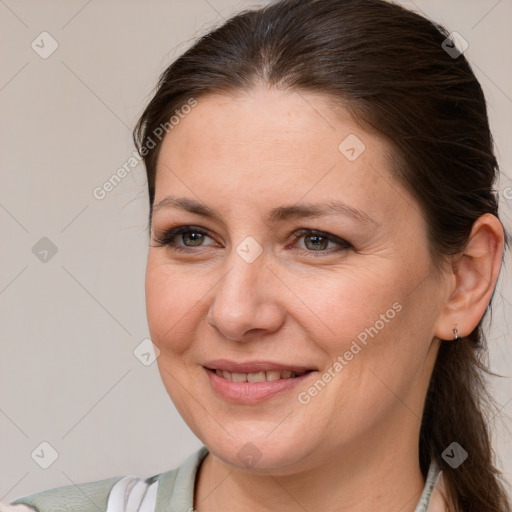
{"x":324,"y":245}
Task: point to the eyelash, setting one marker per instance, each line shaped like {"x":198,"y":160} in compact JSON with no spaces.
{"x":167,"y":238}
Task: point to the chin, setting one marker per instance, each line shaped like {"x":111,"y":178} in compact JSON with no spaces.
{"x":254,"y":450}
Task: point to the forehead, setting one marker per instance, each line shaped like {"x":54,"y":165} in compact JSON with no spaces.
{"x":243,"y":123}
{"x":267,"y":145}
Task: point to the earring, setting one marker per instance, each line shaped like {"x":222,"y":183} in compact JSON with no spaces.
{"x":455,"y":334}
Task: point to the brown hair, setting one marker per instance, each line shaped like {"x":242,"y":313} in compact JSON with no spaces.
{"x":387,"y":65}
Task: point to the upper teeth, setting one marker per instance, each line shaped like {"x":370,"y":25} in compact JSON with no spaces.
{"x":258,"y":376}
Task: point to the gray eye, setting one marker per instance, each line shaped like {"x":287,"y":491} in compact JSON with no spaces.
{"x":316,"y":242}
{"x":194,"y":237}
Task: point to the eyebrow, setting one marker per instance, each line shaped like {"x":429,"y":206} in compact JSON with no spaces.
{"x":279,"y":214}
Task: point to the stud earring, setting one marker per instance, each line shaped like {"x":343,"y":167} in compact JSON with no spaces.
{"x":455,"y":334}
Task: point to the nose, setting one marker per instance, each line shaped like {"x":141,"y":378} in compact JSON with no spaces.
{"x":246,"y":301}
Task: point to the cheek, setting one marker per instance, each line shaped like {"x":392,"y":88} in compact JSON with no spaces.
{"x":346,"y":305}
{"x":372,"y":356}
{"x":364,"y":323}
{"x":172,"y":305}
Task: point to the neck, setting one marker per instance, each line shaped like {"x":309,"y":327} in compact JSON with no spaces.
{"x":384,"y":475}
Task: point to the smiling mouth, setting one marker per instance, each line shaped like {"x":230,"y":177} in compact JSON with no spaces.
{"x":265,"y":376}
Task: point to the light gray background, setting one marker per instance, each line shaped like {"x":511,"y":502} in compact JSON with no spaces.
{"x":68,"y":375}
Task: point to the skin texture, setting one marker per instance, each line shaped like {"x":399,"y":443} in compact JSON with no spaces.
{"x":355,"y":442}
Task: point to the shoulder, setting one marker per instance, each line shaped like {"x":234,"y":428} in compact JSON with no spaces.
{"x":439,"y":502}
{"x":81,"y":497}
{"x":118,"y":494}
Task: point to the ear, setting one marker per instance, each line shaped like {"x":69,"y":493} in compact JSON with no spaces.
{"x":474,"y":274}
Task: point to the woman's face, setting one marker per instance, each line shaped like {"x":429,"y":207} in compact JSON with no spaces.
{"x":269,"y":276}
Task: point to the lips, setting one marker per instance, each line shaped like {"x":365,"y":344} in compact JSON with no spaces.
{"x":258,"y":376}
{"x":255,"y":366}
{"x":252,"y":382}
